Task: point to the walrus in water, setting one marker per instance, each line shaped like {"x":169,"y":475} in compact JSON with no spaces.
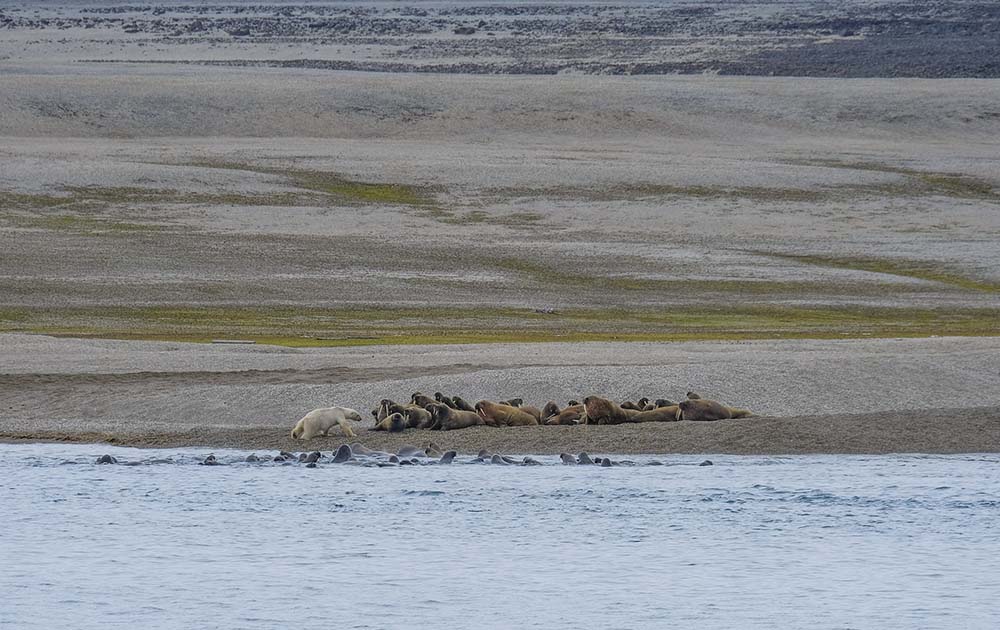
{"x":575,"y":414}
{"x":448,"y":419}
{"x":701,"y":409}
{"x":459,"y":403}
{"x":659,"y":414}
{"x":505,"y":415}
{"x":604,"y":411}
{"x":394,"y":423}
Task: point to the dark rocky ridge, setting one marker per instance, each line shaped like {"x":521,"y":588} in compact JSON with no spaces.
{"x":800,"y":38}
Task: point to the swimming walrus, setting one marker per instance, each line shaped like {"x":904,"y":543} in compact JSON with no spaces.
{"x":701,"y":409}
{"x":604,"y":411}
{"x":394,"y":423}
{"x":459,"y":403}
{"x":505,"y":415}
{"x":659,"y":414}
{"x":448,"y":419}
{"x":575,"y":414}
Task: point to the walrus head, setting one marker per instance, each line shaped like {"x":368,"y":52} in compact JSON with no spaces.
{"x":438,"y":396}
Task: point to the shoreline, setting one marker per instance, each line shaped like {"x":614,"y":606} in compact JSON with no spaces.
{"x":935,"y":431}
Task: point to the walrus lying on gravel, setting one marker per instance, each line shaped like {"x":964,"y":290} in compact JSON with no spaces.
{"x":701,"y":409}
{"x":319,"y":422}
{"x":658,"y":414}
{"x":505,"y":415}
{"x":575,"y":414}
{"x":459,"y":403}
{"x":448,"y":419}
{"x":420,"y":400}
{"x":604,"y":411}
{"x":394,"y":423}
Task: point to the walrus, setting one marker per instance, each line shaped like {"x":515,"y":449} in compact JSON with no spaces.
{"x":106,"y":459}
{"x":505,"y":415}
{"x":417,"y":417}
{"x":448,"y":419}
{"x":663,"y":402}
{"x":603,"y":411}
{"x":394,"y":423}
{"x":343,"y":454}
{"x":513,"y":402}
{"x":448,"y":457}
{"x":460,"y":403}
{"x":660,"y":414}
{"x":573,"y":403}
{"x":567,"y":459}
{"x":407,"y":451}
{"x":421,"y":401}
{"x":693,"y":396}
{"x":441,"y":398}
{"x":701,"y":409}
{"x":575,"y":414}
{"x":628,"y":404}
{"x":318,"y":422}
{"x":550,"y":409}
{"x":360,"y":449}
{"x":532,"y":410}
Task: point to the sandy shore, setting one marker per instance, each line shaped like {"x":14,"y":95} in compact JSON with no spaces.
{"x":813,"y":396}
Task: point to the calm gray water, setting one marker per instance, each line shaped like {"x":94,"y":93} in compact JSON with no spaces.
{"x":752,"y":542}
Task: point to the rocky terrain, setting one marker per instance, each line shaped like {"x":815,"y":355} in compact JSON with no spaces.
{"x":808,"y":38}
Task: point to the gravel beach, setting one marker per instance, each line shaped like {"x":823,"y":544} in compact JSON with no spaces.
{"x":852,"y":396}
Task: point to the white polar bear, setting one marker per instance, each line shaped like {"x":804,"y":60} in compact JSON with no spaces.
{"x":320,"y":421}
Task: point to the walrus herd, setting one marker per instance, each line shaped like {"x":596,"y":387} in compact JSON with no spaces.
{"x":448,"y":413}
{"x":359,"y":455}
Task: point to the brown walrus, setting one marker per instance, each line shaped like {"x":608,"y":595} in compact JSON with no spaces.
{"x":693,"y":396}
{"x":575,"y":414}
{"x":417,"y":417}
{"x":628,"y":404}
{"x":393,"y":423}
{"x":659,"y":414}
{"x":701,"y":409}
{"x":550,"y":409}
{"x":505,"y":415}
{"x":421,"y":400}
{"x":532,"y":410}
{"x":441,"y":398}
{"x":448,"y":419}
{"x":459,"y":403}
{"x":604,"y":411}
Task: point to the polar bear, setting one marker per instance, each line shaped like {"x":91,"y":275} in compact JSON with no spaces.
{"x":320,"y":421}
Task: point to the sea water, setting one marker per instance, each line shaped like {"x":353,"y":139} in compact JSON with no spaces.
{"x":750,"y":542}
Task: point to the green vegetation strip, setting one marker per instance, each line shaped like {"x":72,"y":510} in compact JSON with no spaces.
{"x":372,"y":326}
{"x":921,"y":270}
